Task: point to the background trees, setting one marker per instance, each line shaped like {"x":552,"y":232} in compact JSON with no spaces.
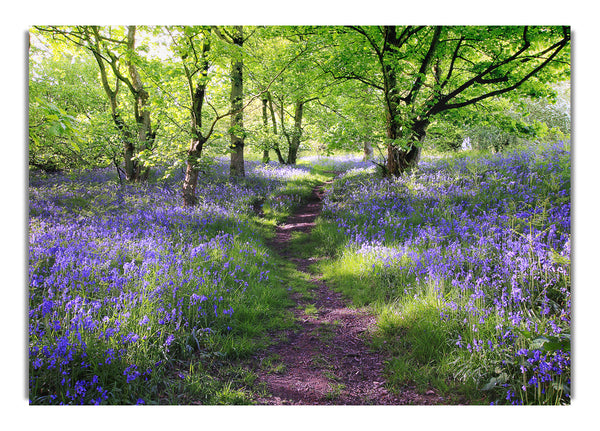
{"x":279,"y":88}
{"x":115,"y":52}
{"x":66,"y":113}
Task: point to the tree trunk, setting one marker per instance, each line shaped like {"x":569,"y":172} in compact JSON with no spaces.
{"x":265,"y":158}
{"x":367,"y":151}
{"x":191,"y":172}
{"x":280,"y":158}
{"x":236,"y":167}
{"x":274,"y":121}
{"x":134,"y":171}
{"x":190,"y":182}
{"x":131,"y":172}
{"x":198,"y":140}
{"x":145,"y":136}
{"x":296,"y":134}
{"x":404,"y":137}
{"x":392,"y":104}
{"x":126,"y":135}
{"x":401,"y":159}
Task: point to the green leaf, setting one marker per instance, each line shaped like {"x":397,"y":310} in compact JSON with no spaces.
{"x":561,"y":342}
{"x":538,"y":343}
{"x":552,"y":343}
{"x":54,"y":129}
{"x":75,"y":146}
{"x":495,"y":381}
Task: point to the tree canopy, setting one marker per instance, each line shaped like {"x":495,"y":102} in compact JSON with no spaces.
{"x":143,"y":96}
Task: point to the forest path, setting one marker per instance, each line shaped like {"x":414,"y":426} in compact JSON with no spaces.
{"x":327,"y":360}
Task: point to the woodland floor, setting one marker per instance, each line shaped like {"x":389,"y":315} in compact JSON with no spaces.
{"x":327,"y":361}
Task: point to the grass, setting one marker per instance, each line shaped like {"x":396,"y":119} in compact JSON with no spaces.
{"x":311,"y":310}
{"x":495,"y":343}
{"x":204,"y":258}
{"x":378,"y":242}
{"x":273,"y":364}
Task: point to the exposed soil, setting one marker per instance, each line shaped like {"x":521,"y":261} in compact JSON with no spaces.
{"x":327,"y":361}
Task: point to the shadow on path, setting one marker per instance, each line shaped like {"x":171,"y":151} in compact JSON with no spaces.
{"x":327,"y":360}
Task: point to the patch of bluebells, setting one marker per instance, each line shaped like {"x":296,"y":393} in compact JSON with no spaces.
{"x":492,"y":235}
{"x":340,"y":163}
{"x":119,"y":276}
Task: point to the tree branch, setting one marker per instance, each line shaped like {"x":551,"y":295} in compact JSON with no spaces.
{"x":353,"y":76}
{"x":414,"y":91}
{"x":443,"y":104}
{"x":217,"y":31}
{"x":362,"y":31}
{"x":452,"y":62}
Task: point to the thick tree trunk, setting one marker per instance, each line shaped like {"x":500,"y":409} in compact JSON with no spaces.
{"x":145,"y":140}
{"x":405,"y":137}
{"x":236,"y":167}
{"x":296,"y":134}
{"x":392,"y":105}
{"x":191,"y":172}
{"x":401,"y":159}
{"x":192,"y":168}
{"x":189,"y":184}
{"x":131,"y":171}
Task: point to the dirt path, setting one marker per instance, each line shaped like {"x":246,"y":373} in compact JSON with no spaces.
{"x":327,"y":360}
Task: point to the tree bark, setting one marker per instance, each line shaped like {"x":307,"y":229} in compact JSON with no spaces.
{"x":401,"y":159}
{"x":236,"y":167}
{"x":145,"y":138}
{"x":191,"y":172}
{"x":404,"y":136}
{"x":198,"y":139}
{"x":392,"y":103}
{"x":294,"y":144}
{"x":189,"y":186}
{"x":265,"y":158}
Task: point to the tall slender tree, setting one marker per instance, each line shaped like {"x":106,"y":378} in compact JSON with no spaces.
{"x":114,"y":49}
{"x":234,"y":36}
{"x":197,"y":90}
{"x":236,"y":132}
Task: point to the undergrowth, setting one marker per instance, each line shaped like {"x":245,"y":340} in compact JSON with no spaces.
{"x":466,"y":262}
{"x":136,"y":300}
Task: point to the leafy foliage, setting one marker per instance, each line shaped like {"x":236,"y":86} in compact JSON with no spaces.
{"x":108,"y":307}
{"x":67,"y":123}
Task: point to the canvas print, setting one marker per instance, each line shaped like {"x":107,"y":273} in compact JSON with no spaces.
{"x":299,"y":215}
